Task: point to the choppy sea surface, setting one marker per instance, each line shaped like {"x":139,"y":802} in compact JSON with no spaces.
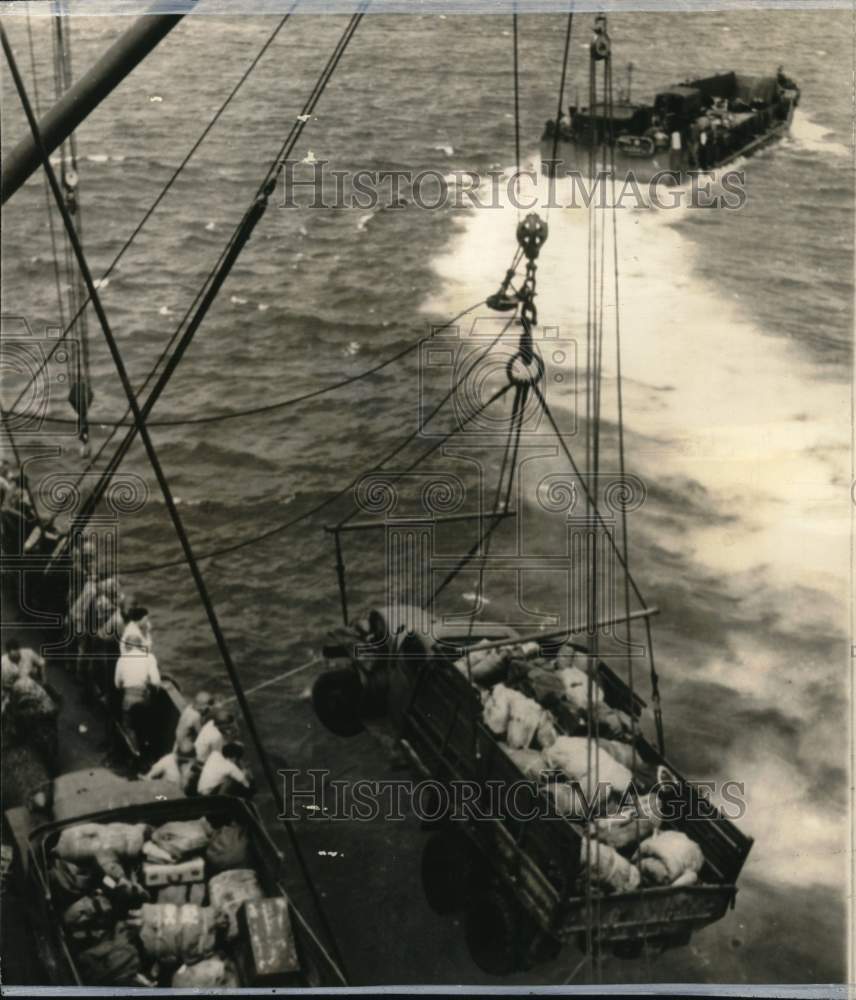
{"x":736,"y":336}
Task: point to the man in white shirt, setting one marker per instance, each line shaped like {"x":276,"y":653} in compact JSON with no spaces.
{"x":193,"y":717}
{"x":136,"y":674}
{"x":213,"y":734}
{"x":136,"y":671}
{"x":17,"y":662}
{"x":175,"y":766}
{"x":137,"y":631}
{"x":221,"y":773}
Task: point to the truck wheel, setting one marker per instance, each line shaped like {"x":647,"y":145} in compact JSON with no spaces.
{"x":451,"y":870}
{"x":336,"y":698}
{"x":493,"y":923}
{"x":536,"y":946}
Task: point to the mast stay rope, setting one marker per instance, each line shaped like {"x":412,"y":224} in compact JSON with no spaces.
{"x":147,"y":214}
{"x":217,"y":276}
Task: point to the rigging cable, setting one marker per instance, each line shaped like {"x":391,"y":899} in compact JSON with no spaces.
{"x":80,"y":394}
{"x":269,"y":407}
{"x":153,"y":207}
{"x":590,"y":538}
{"x":169,"y":500}
{"x":220,"y":272}
{"x":597,"y":386}
{"x":561,"y":100}
{"x":48,"y":207}
{"x":328,"y":501}
{"x":628,"y":627}
{"x":517,"y":410}
{"x":516,"y":187}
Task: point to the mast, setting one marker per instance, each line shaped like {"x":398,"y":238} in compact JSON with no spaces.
{"x":81,"y":99}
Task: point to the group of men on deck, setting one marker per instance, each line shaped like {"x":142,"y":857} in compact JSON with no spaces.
{"x":206,"y":757}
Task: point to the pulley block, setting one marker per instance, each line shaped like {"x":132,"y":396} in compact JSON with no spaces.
{"x":531,"y":234}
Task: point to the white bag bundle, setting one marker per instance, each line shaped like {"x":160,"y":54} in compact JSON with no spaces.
{"x":483,"y":665}
{"x":524,"y":718}
{"x":497,"y":709}
{"x":630,"y":824}
{"x":576,"y":684}
{"x":511,"y":714}
{"x":530,"y":762}
{"x":572,"y":756}
{"x":608,"y":868}
{"x":669,"y":856}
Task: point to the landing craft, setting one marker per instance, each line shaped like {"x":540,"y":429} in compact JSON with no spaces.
{"x":696,"y":126}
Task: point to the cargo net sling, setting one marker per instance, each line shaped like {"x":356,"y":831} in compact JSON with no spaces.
{"x":181,"y":904}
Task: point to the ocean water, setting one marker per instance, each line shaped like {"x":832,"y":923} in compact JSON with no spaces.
{"x":736,"y":341}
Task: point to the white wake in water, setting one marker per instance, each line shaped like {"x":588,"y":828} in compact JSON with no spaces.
{"x":814,"y":138}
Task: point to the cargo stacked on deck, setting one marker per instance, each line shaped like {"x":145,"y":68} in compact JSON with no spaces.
{"x":186,"y":892}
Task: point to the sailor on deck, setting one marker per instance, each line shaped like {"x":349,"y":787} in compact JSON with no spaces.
{"x":17,"y":662}
{"x":136,"y":675}
{"x":222,"y":773}
{"x":174,"y":766}
{"x":784,"y":81}
{"x":213,"y":734}
{"x":193,"y":717}
{"x":138,"y":630}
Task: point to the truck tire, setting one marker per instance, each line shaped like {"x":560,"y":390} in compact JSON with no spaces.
{"x":451,"y":870}
{"x":492,"y":933}
{"x":336,"y":698}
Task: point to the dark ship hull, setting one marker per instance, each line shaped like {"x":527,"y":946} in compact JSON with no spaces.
{"x":699,"y":126}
